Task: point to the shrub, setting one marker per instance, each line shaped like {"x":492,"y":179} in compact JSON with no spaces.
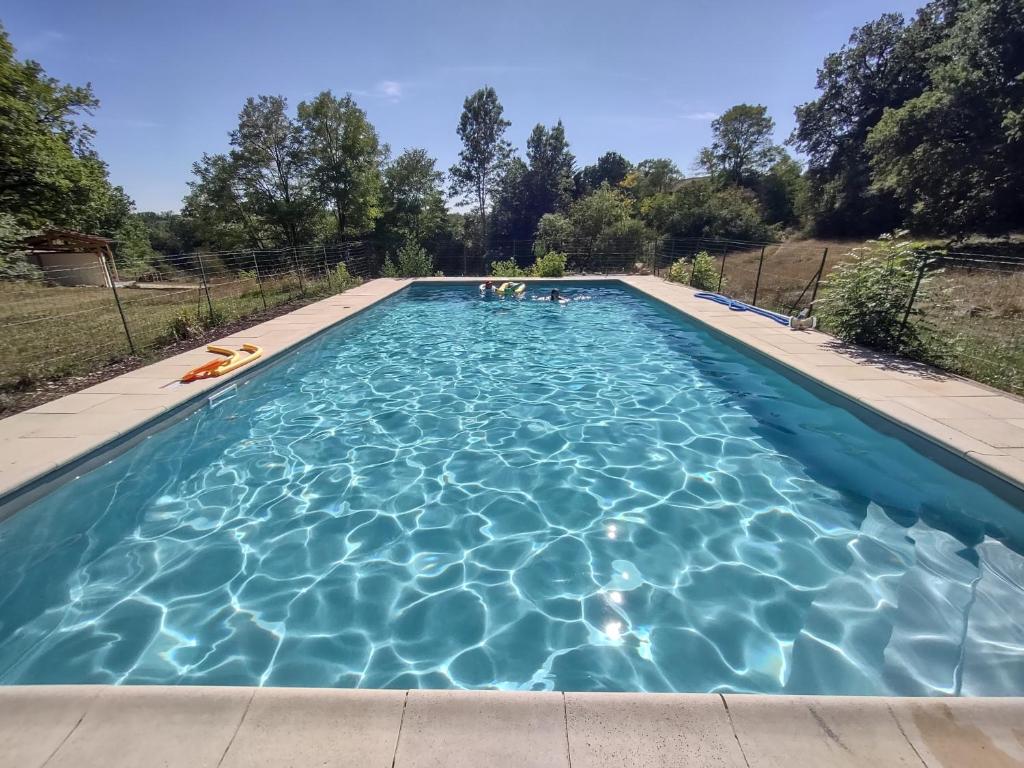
{"x":866,"y":299}
{"x":183,"y":325}
{"x":412,"y":261}
{"x":701,"y":273}
{"x":705,"y":273}
{"x":344,"y":278}
{"x":550,"y":265}
{"x":508,"y":268}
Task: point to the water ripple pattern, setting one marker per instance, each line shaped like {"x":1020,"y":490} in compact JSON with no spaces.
{"x":455,"y":492}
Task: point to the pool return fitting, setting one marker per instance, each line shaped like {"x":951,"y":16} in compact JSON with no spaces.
{"x":218,"y":367}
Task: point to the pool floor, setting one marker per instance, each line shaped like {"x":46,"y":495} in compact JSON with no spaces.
{"x":450,"y":491}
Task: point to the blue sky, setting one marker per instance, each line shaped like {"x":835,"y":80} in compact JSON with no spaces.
{"x":642,"y":78}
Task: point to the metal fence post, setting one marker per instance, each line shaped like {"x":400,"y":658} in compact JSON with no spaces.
{"x":757,"y":281}
{"x":259,"y":280}
{"x":913,"y":297}
{"x":124,"y":320}
{"x":298,"y":272}
{"x":817,"y":282}
{"x":327,"y":269}
{"x":206,"y":286}
{"x":721,"y":273}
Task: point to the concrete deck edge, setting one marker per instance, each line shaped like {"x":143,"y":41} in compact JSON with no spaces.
{"x":185,"y":726}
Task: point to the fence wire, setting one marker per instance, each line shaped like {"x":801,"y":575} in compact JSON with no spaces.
{"x":971,"y":312}
{"x":51,"y":327}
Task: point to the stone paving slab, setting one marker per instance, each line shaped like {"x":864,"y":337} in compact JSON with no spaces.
{"x":472,"y":729}
{"x":114,"y":726}
{"x":128,"y":727}
{"x":309,"y":728}
{"x":679,"y":730}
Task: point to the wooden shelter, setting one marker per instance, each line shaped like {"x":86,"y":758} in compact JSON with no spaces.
{"x":72,"y":258}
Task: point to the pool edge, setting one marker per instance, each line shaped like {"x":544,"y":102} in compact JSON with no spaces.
{"x":225,"y":726}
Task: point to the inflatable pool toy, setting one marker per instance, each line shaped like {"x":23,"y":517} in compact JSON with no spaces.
{"x":516,"y":290}
{"x":218,"y":367}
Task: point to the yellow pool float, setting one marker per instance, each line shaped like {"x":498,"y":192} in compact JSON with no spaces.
{"x":218,"y":367}
{"x":515,"y":290}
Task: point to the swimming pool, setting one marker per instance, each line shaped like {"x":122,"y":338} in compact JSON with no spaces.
{"x":446,"y":491}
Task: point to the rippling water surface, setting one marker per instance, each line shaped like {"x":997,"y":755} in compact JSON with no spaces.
{"x":455,"y":492}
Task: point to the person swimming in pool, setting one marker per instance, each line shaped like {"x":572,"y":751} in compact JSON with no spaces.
{"x":555,"y":296}
{"x":487,"y":287}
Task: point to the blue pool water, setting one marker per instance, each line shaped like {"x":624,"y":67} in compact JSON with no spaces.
{"x":454,"y":492}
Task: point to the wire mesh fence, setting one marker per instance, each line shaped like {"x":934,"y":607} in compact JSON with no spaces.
{"x":50,"y":326}
{"x":971,"y":314}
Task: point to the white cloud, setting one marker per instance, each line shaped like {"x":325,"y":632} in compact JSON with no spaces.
{"x":700,"y":116}
{"x":389,"y":90}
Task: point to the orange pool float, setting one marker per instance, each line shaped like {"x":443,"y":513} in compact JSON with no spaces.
{"x":217,"y":367}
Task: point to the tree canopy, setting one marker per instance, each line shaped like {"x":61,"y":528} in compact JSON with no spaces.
{"x":917,"y":123}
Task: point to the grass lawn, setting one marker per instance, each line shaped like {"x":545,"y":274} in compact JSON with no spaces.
{"x":53,"y":331}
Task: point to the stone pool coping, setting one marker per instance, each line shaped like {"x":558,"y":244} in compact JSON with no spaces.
{"x":978,"y":423}
{"x":227,"y":727}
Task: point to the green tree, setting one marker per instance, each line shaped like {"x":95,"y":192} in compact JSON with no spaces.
{"x":954,"y":155}
{"x":269,"y":161}
{"x":611,"y":167}
{"x":703,"y":208}
{"x":527,"y":191}
{"x":49,"y":173}
{"x":880,"y":68}
{"x":782,"y":192}
{"x":742,"y":149}
{"x":412,"y":204}
{"x":484,"y":153}
{"x":344,"y":156}
{"x":657,"y":176}
{"x":216,"y":203}
{"x":551,"y":167}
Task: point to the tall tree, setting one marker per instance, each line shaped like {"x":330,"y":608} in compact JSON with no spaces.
{"x":610,"y":167}
{"x":268,"y":157}
{"x":551,"y":169}
{"x":879,"y":68}
{"x":50,"y":175}
{"x":544,"y":184}
{"x":742,"y":148}
{"x":656,"y":176}
{"x":412,"y":201}
{"x":954,"y":155}
{"x":484,"y":152}
{"x":345,"y":157}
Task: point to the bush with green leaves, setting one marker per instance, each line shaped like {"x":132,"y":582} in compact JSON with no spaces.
{"x":508,"y":268}
{"x":705,"y":273}
{"x":701,"y":273}
{"x":344,"y":279}
{"x":865,"y":299}
{"x":412,"y":261}
{"x":551,"y":264}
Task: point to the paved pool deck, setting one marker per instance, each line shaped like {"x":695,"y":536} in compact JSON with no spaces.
{"x":144,"y":726}
{"x":86,"y":726}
